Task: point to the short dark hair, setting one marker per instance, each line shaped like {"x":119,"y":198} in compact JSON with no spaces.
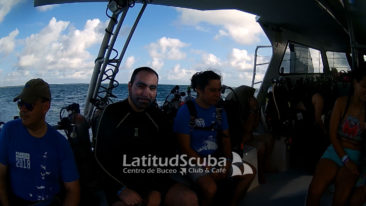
{"x":140,"y":69}
{"x":200,"y":79}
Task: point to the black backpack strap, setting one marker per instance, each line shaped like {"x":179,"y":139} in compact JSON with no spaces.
{"x":219,"y":111}
{"x":192,"y":112}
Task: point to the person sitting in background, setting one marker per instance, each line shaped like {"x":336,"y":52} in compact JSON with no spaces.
{"x":34,"y":157}
{"x":311,"y":102}
{"x":244,"y":117}
{"x":202,"y":131}
{"x":340,"y":161}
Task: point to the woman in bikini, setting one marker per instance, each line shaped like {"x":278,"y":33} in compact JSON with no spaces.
{"x":340,"y":162}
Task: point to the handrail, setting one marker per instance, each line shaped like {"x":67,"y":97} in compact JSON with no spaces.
{"x":255,"y":63}
{"x":98,"y":95}
{"x":98,"y":63}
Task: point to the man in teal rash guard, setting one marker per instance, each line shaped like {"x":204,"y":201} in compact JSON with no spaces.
{"x":34,"y":157}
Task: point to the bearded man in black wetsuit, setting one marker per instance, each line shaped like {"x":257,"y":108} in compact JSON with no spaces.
{"x":130,"y":133}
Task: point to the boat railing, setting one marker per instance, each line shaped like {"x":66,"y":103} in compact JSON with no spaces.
{"x":106,"y":67}
{"x":258,"y":64}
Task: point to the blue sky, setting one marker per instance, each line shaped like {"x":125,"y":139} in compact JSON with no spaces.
{"x":60,"y":43}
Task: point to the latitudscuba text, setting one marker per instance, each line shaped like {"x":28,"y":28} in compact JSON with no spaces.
{"x":175,"y":161}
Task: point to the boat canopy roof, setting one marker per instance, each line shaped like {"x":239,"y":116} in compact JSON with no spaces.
{"x":319,"y":23}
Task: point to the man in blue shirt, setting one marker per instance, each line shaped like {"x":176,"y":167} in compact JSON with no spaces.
{"x":34,"y":157}
{"x":204,"y":135}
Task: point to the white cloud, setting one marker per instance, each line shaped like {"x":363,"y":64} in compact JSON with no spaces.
{"x":14,"y":78}
{"x":240,"y":26}
{"x":45,"y":8}
{"x":221,"y":33}
{"x":60,"y":51}
{"x":157,"y":63}
{"x":246,"y":76}
{"x":129,"y":62}
{"x":7,"y":44}
{"x":211,"y":60}
{"x":166,"y":48}
{"x":6,"y":6}
{"x":240,"y":59}
{"x":236,"y":69}
{"x":179,"y":74}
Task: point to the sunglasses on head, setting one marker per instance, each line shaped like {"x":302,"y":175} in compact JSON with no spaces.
{"x":28,"y":106}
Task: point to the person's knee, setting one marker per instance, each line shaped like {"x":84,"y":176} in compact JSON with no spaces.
{"x":154,"y":199}
{"x":210,"y":190}
{"x":316,"y":189}
{"x":181,"y":195}
{"x":356,"y":201}
{"x":208,"y":186}
{"x":314,"y":192}
{"x":344,"y":183}
{"x":189,"y":198}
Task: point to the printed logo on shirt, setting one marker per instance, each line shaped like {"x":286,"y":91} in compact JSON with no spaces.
{"x":199,"y":122}
{"x":207,"y":145}
{"x":22,"y":160}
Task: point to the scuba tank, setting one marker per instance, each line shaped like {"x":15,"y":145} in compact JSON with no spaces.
{"x":76,"y":128}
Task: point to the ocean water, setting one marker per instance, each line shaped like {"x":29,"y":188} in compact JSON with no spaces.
{"x":66,"y":94}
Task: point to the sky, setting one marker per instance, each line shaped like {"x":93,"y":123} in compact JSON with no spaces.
{"x":60,"y":43}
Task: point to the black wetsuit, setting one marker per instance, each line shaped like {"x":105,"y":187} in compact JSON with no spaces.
{"x":123,"y":131}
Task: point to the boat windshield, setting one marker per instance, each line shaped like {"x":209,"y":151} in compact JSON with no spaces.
{"x":338,"y":61}
{"x":300,"y":59}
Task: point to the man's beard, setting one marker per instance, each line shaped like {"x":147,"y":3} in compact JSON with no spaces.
{"x":142,"y":102}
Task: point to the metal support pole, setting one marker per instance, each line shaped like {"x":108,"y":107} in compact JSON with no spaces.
{"x":101,"y":59}
{"x":354,"y":50}
{"x":98,"y":64}
{"x":126,"y":44}
{"x":106,"y":60}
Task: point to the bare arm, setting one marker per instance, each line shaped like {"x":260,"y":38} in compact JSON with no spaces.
{"x":226,"y":144}
{"x":3,"y":186}
{"x":72,"y":197}
{"x":318,"y":103}
{"x":334,"y":123}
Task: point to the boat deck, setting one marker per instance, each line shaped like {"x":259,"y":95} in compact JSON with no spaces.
{"x":287,"y":188}
{"x":282,"y":188}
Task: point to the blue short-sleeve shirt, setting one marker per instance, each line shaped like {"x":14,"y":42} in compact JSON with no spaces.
{"x":36,"y":165}
{"x":204,"y":142}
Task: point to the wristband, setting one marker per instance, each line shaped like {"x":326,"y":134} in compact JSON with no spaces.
{"x":345,"y":159}
{"x":121,"y":190}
